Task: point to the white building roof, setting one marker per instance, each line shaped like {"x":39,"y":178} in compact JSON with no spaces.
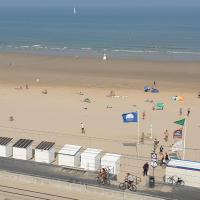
{"x":184,"y":164}
{"x":69,"y":149}
{"x":92,"y":153}
{"x":111,"y":157}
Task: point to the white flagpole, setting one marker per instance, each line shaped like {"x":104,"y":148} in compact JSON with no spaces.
{"x":138,"y":128}
{"x":184,"y":141}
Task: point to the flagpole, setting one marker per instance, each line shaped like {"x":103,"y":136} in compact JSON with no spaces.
{"x":138,"y":128}
{"x":184,"y":140}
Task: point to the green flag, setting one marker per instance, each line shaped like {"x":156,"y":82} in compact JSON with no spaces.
{"x":180,"y":122}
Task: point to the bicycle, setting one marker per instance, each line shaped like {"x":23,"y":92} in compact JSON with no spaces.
{"x":104,"y":180}
{"x":125,"y":185}
{"x":175,"y":180}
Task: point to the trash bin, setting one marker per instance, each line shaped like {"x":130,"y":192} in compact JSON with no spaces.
{"x":151,"y":181}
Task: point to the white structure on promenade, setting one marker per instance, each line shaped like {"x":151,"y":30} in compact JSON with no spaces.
{"x":111,"y":162}
{"x":90,"y":159}
{"x":22,"y":149}
{"x":45,"y":152}
{"x":5,"y":147}
{"x":69,"y":155}
{"x":189,"y":171}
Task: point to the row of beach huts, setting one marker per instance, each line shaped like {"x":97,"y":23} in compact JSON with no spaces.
{"x":68,"y":156}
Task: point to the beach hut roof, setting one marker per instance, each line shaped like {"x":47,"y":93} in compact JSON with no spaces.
{"x":44,"y":145}
{"x":23,"y":143}
{"x":5,"y":140}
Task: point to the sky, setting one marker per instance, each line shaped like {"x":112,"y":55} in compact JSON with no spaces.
{"x":100,"y":3}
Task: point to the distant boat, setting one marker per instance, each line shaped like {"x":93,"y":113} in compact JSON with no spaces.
{"x":74,"y":11}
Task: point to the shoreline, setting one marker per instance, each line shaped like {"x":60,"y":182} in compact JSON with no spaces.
{"x":94,"y":72}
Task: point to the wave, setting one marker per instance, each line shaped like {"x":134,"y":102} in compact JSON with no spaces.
{"x":184,"y":52}
{"x":86,"y":49}
{"x":134,"y":51}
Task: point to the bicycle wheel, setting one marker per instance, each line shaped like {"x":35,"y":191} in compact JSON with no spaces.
{"x":98,"y":180}
{"x":122,"y":186}
{"x":170,"y":180}
{"x":133,"y":188}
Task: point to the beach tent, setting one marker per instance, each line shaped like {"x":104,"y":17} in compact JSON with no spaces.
{"x":147,"y":89}
{"x":159,"y":106}
{"x":154,"y":90}
{"x":87,"y":100}
{"x":178,"y":98}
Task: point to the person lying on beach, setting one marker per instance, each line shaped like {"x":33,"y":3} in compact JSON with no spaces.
{"x":19,"y":87}
{"x":44,"y":92}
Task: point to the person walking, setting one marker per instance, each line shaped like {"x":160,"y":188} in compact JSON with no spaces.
{"x":180,"y":111}
{"x":188,"y":112}
{"x":161,"y":149}
{"x":145,"y":169}
{"x":166,"y":135}
{"x":143,"y":115}
{"x":82,"y":128}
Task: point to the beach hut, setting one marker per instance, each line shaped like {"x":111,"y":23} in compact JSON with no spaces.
{"x":22,"y":149}
{"x":111,"y":162}
{"x":45,"y":152}
{"x":91,"y":159}
{"x":5,"y":147}
{"x":69,"y":155}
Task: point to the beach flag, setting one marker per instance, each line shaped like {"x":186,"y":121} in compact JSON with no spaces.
{"x":130,"y":117}
{"x":177,"y":146}
{"x":180,"y":122}
{"x":178,"y":133}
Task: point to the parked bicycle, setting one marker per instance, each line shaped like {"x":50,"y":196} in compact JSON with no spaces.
{"x":175,"y":180}
{"x":103,"y":177}
{"x":126,"y":185}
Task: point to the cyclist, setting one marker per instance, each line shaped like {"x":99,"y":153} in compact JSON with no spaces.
{"x":129,"y":178}
{"x":103,"y":175}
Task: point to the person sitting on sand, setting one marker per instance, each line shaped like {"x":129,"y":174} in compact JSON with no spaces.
{"x":44,"y":92}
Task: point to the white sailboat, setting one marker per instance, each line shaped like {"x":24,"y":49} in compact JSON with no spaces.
{"x":74,"y":11}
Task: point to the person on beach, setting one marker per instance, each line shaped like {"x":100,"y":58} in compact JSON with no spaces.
{"x":143,"y":115}
{"x":154,"y":83}
{"x":145,"y":169}
{"x":26,"y":86}
{"x":180,"y":111}
{"x":166,"y":157}
{"x":82,"y":128}
{"x":188,"y":112}
{"x":161,"y":149}
{"x":166,"y":135}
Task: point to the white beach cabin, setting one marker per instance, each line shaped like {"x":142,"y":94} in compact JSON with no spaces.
{"x":69,"y":155}
{"x":5,"y":147}
{"x":22,"y":149}
{"x":91,"y":159}
{"x":45,"y":152}
{"x":111,"y":162}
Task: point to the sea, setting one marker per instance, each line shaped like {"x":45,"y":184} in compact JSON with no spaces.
{"x":138,"y":33}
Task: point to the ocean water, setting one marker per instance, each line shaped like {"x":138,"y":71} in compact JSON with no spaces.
{"x":141,"y":33}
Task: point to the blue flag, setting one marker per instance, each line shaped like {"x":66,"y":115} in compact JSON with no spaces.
{"x":130,"y":117}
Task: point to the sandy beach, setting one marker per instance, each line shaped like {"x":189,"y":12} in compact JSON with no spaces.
{"x":56,"y":116}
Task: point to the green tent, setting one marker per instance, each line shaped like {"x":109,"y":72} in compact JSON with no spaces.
{"x":159,"y":106}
